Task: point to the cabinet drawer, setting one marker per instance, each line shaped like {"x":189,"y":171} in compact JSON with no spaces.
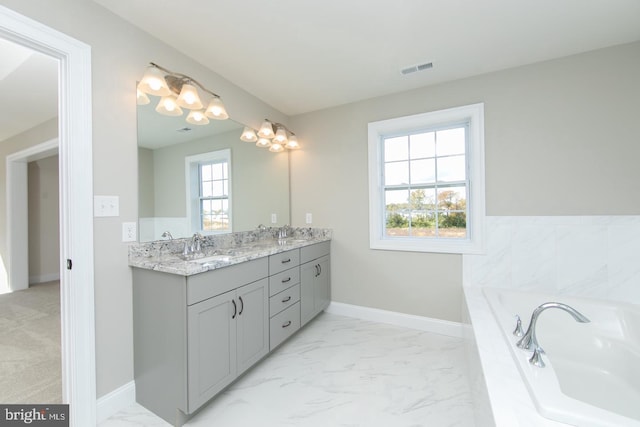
{"x":283,"y":261}
{"x":284,"y":299}
{"x":281,"y":281}
{"x":284,"y":324}
{"x":311,"y":252}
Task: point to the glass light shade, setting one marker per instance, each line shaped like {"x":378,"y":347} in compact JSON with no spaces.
{"x":142,"y":98}
{"x":266,"y":130}
{"x":292,"y":144}
{"x":276,"y":148}
{"x":249,"y":135}
{"x":263,"y":143}
{"x":197,"y":117}
{"x":280,"y":137}
{"x":189,"y":97}
{"x":153,"y":82}
{"x":168,"y":106}
{"x":216,"y":110}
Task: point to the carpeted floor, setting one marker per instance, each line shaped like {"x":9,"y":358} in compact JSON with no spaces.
{"x":30,"y":361}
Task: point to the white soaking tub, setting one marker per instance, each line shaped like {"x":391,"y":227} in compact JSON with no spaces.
{"x":592,"y":373}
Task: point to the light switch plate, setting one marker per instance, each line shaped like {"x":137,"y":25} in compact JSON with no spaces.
{"x":129,"y":232}
{"x":274,"y":218}
{"x":309,"y":218}
{"x":106,"y":206}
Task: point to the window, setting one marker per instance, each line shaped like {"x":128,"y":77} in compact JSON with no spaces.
{"x":426,"y":181}
{"x":209,"y":192}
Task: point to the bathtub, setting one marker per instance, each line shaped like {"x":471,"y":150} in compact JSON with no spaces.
{"x":592,"y":373}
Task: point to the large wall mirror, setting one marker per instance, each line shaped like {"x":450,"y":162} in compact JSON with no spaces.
{"x":184,"y":182}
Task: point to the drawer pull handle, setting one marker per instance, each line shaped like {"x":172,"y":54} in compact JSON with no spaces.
{"x":241,"y":306}
{"x":235,"y":309}
{"x":288,"y":279}
{"x":287,"y":299}
{"x":284,"y":261}
{"x":286,"y":324}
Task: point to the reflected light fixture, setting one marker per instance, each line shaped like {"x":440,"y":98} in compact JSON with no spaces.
{"x":274,"y":136}
{"x":248,"y":135}
{"x":197,"y":117}
{"x":142,"y":98}
{"x":179,"y":90}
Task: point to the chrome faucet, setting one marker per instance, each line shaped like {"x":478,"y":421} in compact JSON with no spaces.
{"x":530,"y":342}
{"x":193,"y":246}
{"x":283,"y":232}
{"x":167,"y":234}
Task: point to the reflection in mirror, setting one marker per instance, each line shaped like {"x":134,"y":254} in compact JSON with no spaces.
{"x":205,"y":179}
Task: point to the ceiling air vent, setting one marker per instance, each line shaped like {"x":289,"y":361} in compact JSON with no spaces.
{"x":414,"y":68}
{"x":184,"y":129}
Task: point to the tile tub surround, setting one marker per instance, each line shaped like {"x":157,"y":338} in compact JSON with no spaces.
{"x":341,"y":371}
{"x":241,"y":246}
{"x":586,"y":256}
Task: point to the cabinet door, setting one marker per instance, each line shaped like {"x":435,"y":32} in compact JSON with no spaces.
{"x":211,"y":347}
{"x":322,"y":289}
{"x":308,"y":274}
{"x":252,"y":323}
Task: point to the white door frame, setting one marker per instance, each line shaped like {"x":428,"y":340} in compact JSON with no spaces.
{"x":76,"y":207}
{"x":18,"y":211}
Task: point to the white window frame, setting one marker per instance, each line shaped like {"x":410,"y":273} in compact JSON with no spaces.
{"x":474,"y":242}
{"x":192,"y":180}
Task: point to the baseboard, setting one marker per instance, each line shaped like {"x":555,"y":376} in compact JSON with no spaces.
{"x":115,"y":401}
{"x":43,"y":278}
{"x":437,"y":326}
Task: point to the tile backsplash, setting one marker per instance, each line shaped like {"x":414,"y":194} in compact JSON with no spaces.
{"x":590,"y":256}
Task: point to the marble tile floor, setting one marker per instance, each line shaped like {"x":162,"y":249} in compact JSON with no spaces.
{"x":340,"y":371}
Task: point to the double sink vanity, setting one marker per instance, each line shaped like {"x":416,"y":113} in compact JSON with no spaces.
{"x":201,"y":323}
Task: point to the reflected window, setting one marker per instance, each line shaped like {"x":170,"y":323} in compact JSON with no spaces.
{"x":209,"y":192}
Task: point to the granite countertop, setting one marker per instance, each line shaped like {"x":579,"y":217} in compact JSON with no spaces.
{"x":165,"y":256}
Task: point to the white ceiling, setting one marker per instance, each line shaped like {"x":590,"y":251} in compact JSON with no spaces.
{"x":29,"y":87}
{"x":301,"y":56}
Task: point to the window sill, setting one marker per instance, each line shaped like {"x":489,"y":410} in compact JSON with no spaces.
{"x":448,"y":246}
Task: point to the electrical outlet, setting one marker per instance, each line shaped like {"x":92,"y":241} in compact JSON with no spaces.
{"x":274,"y":218}
{"x":129,"y":232}
{"x":309,"y":218}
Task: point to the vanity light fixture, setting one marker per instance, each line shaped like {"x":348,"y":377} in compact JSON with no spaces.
{"x":142,"y":98}
{"x":248,"y":135}
{"x":179,"y":90}
{"x":274,"y":136}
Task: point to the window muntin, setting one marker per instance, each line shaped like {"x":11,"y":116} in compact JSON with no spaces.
{"x":426,"y":181}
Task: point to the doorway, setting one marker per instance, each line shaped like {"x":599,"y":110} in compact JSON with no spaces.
{"x":76,"y":219}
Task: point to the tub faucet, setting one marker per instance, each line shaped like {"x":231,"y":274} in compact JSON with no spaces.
{"x":530,"y":342}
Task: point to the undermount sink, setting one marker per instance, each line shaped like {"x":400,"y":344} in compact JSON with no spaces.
{"x":212,"y":258}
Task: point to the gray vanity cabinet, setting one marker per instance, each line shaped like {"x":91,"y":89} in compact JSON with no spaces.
{"x":315,"y":287}
{"x":195,"y":335}
{"x":227,"y":335}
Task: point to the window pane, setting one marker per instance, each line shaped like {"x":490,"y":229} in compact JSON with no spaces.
{"x":205,"y":206}
{"x":423,"y":200}
{"x":218,"y":189}
{"x":205,"y":172}
{"x":225,"y":170}
{"x":396,"y":148}
{"x":217,"y":171}
{"x":423,"y":224}
{"x":206,"y":189}
{"x":451,"y":169}
{"x":450,"y":141}
{"x":452,"y":224}
{"x":423,"y":171}
{"x":452,"y":198}
{"x":396,"y":173}
{"x":422,"y":145}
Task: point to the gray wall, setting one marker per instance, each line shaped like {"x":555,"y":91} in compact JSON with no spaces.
{"x":120,"y":53}
{"x":44,"y":225}
{"x":38,"y":134}
{"x":561,"y":138}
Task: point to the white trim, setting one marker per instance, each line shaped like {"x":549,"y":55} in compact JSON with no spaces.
{"x":115,"y":401}
{"x":44,"y":278}
{"x":76,"y":207}
{"x":475,"y":226}
{"x":18,"y":210}
{"x":427,"y":324}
